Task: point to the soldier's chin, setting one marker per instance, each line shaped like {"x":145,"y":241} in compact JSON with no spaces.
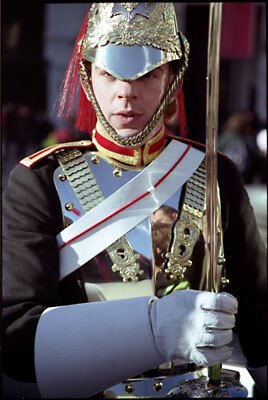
{"x":127,"y":133}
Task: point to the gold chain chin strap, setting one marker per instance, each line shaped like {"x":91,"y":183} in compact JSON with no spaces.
{"x":89,"y":194}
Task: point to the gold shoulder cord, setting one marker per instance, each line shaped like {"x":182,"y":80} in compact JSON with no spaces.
{"x":190,"y":223}
{"x":89,"y":194}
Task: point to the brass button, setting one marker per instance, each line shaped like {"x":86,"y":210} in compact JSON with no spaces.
{"x":225,"y":281}
{"x":69,"y":206}
{"x":129,"y":388}
{"x":95,"y":159}
{"x":62,"y":177}
{"x":158,"y":386}
{"x":221,"y":260}
{"x":117,"y":172}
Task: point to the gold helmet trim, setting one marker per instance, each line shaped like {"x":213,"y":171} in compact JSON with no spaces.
{"x":127,"y":24}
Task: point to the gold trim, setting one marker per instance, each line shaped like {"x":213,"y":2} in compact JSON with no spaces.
{"x":43,"y":153}
{"x":80,"y":177}
{"x":154,"y":155}
{"x":133,"y":160}
{"x":147,"y":158}
{"x":120,"y":157}
{"x":137,"y":158}
{"x":116,"y":164}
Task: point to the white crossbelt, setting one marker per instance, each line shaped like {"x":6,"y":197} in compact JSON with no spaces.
{"x":127,"y":207}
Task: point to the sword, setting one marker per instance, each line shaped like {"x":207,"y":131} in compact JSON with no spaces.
{"x":212,"y":142}
{"x":219,"y":383}
{"x":213,"y":63}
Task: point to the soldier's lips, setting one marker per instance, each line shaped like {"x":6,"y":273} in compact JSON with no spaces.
{"x":126,"y":118}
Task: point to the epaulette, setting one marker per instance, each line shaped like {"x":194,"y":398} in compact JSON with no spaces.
{"x":30,"y":161}
{"x":197,"y":144}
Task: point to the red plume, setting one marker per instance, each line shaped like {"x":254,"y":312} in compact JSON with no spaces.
{"x":182,"y":114}
{"x":85,"y":115}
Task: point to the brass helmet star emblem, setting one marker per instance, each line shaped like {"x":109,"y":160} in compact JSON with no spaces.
{"x":129,"y":10}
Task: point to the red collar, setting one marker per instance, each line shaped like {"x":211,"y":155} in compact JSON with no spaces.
{"x":139,"y":156}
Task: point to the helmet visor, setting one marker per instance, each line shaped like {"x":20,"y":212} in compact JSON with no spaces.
{"x":128,"y":62}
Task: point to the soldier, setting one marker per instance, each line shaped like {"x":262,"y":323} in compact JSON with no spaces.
{"x":73,"y":213}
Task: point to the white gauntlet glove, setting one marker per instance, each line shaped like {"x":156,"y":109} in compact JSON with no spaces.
{"x":194,"y":326}
{"x":82,"y":349}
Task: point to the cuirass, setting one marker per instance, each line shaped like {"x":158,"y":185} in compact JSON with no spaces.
{"x":138,"y":263}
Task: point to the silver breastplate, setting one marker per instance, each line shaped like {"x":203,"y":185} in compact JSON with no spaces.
{"x":155,"y":256}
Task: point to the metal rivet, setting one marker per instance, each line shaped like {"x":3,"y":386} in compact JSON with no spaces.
{"x":225,"y":281}
{"x":117,"y":172}
{"x":129,"y":388}
{"x":69,"y":206}
{"x":221,"y":260}
{"x":186,"y":233}
{"x":158,"y":386}
{"x":62,"y":177}
{"x":95,"y":160}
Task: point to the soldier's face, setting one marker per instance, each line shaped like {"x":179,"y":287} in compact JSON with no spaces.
{"x":129,"y":105}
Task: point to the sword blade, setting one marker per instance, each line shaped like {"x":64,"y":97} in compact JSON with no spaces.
{"x":213,"y":65}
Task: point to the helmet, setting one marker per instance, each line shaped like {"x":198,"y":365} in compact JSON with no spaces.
{"x":145,"y":36}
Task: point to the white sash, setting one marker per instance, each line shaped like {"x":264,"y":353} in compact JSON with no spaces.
{"x":127,"y":207}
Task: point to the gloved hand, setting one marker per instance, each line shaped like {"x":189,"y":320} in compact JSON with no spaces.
{"x":194,"y":326}
{"x":124,"y":338}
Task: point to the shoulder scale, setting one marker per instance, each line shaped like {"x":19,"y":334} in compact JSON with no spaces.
{"x":30,"y":161}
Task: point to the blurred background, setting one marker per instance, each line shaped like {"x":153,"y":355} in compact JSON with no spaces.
{"x":37,"y":44}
